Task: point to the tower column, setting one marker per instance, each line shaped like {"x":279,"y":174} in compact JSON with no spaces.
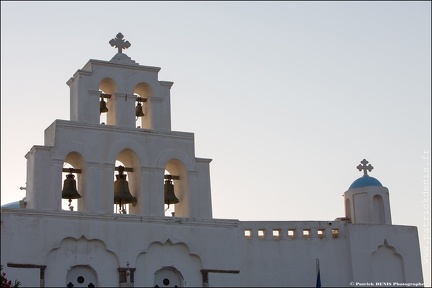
{"x":122,"y":110}
{"x":96,"y":190}
{"x":44,"y":180}
{"x":154,"y":193}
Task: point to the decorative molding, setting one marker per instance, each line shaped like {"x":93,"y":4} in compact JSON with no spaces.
{"x":130,"y":218}
{"x":95,"y":93}
{"x":156,"y":170}
{"x":81,"y":72}
{"x":119,"y":129}
{"x":387,"y":245}
{"x":57,"y":162}
{"x":156,"y":99}
{"x":32,"y":150}
{"x":203,"y":160}
{"x":119,"y":65}
{"x":192,"y":173}
{"x":119,"y":95}
{"x":166,"y":83}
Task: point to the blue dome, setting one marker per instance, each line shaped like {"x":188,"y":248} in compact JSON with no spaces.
{"x":12,"y":205}
{"x":365,"y":181}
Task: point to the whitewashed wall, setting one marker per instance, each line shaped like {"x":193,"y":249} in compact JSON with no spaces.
{"x":64,"y":239}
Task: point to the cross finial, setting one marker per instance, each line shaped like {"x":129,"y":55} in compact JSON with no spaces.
{"x":365,"y":167}
{"x":119,"y":43}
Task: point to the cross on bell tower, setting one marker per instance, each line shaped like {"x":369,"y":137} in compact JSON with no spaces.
{"x":365,"y":167}
{"x":119,"y":43}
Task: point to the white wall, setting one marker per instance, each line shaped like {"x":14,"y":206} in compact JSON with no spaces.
{"x":106,"y":242}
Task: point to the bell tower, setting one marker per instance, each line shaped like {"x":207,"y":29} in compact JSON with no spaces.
{"x":153,"y":165}
{"x":366,"y":200}
{"x":120,"y":88}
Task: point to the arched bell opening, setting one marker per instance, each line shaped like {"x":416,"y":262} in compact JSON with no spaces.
{"x":126,"y":183}
{"x":143,"y":92}
{"x":378,"y":210}
{"x":170,"y":198}
{"x":175,"y":189}
{"x":73,"y":183}
{"x":107,"y":88}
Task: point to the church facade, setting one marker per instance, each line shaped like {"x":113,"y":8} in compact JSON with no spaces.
{"x":118,"y":229}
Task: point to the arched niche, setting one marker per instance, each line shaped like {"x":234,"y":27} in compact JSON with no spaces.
{"x":144,"y":91}
{"x":82,"y":252}
{"x":378,"y":210}
{"x":108,"y":86}
{"x":387,"y":264}
{"x":75,"y":161}
{"x":178,"y":163}
{"x":129,"y":159}
{"x":168,"y":256}
{"x":175,"y":167}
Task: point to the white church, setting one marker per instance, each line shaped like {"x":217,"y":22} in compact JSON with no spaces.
{"x":115,"y":198}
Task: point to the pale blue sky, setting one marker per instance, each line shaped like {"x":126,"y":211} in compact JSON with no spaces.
{"x":286,"y":97}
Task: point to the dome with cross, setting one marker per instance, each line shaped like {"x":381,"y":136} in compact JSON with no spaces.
{"x":365,"y":180}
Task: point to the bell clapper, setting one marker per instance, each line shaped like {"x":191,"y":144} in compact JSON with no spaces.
{"x":70,"y":206}
{"x":121,"y":209}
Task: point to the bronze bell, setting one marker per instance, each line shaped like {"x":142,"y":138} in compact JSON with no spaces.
{"x":138,"y":110}
{"x":69,"y":188}
{"x":102,"y":106}
{"x":121,"y":189}
{"x":170,"y":197}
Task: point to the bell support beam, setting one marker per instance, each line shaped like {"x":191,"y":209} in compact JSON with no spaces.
{"x":173,"y":177}
{"x":107,"y":96}
{"x":126,"y":169}
{"x":139,"y":99}
{"x":71,"y":170}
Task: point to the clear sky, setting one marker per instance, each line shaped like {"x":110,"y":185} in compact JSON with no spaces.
{"x":286,"y":97}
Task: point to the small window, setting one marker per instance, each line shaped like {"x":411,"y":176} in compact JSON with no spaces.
{"x":261,"y":233}
{"x":248,"y":233}
{"x":335,"y":233}
{"x":321,"y":233}
{"x":306,"y":233}
{"x":291,"y":233}
{"x":276,"y":233}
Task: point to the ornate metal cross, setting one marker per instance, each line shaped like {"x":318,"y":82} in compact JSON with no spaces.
{"x":365,"y":167}
{"x":119,"y":43}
